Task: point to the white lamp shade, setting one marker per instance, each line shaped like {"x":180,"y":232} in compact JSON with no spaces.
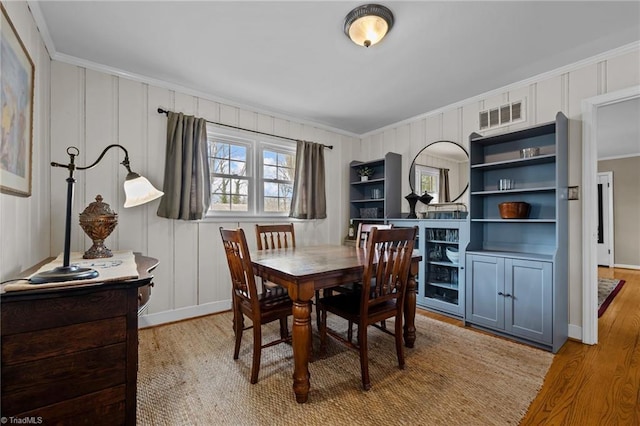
{"x":139,"y":190}
{"x":369,"y":28}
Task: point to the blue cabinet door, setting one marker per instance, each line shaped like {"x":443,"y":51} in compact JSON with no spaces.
{"x":485,"y":290}
{"x":528,"y":299}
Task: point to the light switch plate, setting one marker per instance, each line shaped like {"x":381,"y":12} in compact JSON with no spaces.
{"x":574,"y":193}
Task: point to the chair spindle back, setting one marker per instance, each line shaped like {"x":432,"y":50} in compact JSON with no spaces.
{"x":275,"y":236}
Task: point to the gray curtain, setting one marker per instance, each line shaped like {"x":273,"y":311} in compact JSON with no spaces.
{"x":443,"y":191}
{"x":309,"y":199}
{"x":187,"y":188}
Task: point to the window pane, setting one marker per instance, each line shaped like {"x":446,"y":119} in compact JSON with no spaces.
{"x":229,"y":194}
{"x":238,"y":168}
{"x":238,"y":153}
{"x":278,"y":165}
{"x":285,"y":190}
{"x":219,"y":150}
{"x":277,"y":197}
{"x":220,"y":166}
{"x":270,"y":189}
{"x":270,"y":172}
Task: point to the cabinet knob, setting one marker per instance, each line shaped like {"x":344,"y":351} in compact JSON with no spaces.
{"x":507,"y":295}
{"x":500,"y":293}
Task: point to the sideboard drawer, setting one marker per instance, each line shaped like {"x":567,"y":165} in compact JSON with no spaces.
{"x":18,"y":316}
{"x":71,"y":375}
{"x":144,"y":294}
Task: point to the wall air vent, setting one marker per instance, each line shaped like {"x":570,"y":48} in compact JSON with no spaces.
{"x":501,"y":116}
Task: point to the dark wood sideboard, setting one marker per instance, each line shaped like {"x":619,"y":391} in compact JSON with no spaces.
{"x":70,"y":354}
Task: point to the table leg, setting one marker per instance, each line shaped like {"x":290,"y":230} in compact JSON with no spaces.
{"x":301,"y":348}
{"x":410,"y":308}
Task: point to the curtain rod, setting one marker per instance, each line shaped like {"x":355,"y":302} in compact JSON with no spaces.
{"x":162,"y":111}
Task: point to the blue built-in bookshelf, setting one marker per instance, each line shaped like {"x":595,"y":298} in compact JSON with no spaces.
{"x":517,"y":273}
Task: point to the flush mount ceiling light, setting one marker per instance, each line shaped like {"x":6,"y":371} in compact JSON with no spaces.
{"x":366,"y":25}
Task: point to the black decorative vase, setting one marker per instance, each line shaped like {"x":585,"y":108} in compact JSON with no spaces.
{"x":413,"y":200}
{"x":425,"y":198}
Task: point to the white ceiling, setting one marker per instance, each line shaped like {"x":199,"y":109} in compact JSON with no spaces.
{"x":293,"y":59}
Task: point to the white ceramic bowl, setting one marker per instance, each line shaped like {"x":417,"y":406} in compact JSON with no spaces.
{"x":452,"y":254}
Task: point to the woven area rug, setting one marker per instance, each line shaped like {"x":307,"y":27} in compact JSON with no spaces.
{"x":607,"y":290}
{"x":453,"y":376}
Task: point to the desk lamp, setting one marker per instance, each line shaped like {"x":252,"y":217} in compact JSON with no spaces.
{"x":138,"y":190}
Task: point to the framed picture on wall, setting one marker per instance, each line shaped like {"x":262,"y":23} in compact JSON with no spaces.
{"x":16,"y":83}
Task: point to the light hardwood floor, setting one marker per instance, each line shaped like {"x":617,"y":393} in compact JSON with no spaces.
{"x":595,"y":384}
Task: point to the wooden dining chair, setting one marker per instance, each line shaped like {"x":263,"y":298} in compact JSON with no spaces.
{"x":364,"y":229}
{"x":388,"y":261}
{"x":259,"y":308}
{"x":271,"y":237}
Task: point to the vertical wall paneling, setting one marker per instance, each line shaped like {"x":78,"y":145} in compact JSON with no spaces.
{"x":160,"y":230}
{"x":247,"y":119}
{"x":451,"y":125}
{"x":404,"y":148}
{"x":548,"y":99}
{"x":433,"y":129}
{"x":209,"y":110}
{"x":132,"y":134}
{"x":531,"y":103}
{"x":101,"y":118}
{"x":602,"y":77}
{"x":67,"y":129}
{"x":39,"y":229}
{"x":623,"y":71}
{"x":185,"y":253}
{"x":229,"y":115}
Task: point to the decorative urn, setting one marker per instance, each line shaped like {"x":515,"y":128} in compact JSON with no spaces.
{"x":98,"y":221}
{"x":425,"y":198}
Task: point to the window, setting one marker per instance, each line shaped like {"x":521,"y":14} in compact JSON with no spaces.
{"x":428,"y":179}
{"x":278,"y":171}
{"x":250,"y":176}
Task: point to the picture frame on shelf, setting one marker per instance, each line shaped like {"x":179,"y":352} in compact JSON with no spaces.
{"x":17,"y":72}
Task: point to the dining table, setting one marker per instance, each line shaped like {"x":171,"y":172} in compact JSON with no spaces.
{"x":305,"y":269}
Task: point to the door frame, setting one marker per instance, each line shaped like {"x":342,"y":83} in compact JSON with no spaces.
{"x":589,"y":199}
{"x":609,"y":208}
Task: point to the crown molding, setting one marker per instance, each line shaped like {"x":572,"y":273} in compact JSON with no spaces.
{"x":536,"y":78}
{"x":73,"y":60}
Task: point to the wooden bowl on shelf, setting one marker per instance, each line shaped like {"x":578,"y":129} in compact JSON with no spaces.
{"x":514,"y":210}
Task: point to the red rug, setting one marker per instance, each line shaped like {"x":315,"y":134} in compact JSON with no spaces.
{"x":607,"y":290}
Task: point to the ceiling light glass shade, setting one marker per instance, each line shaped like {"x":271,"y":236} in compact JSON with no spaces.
{"x":138,"y":190}
{"x":366,"y":25}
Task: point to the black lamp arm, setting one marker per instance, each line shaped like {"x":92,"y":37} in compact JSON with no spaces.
{"x":73,"y":152}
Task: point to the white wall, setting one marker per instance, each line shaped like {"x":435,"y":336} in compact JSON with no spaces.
{"x":560,"y":90}
{"x":91,"y":109}
{"x":24,"y":221}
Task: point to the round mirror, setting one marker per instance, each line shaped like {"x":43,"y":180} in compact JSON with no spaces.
{"x":442,"y":170}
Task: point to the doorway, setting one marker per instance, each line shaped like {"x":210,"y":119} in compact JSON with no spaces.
{"x":590,"y":109}
{"x":605,"y":219}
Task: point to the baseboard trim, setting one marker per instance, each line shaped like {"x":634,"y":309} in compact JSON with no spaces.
{"x":159,"y":318}
{"x":623,"y":266}
{"x":575,"y":332}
